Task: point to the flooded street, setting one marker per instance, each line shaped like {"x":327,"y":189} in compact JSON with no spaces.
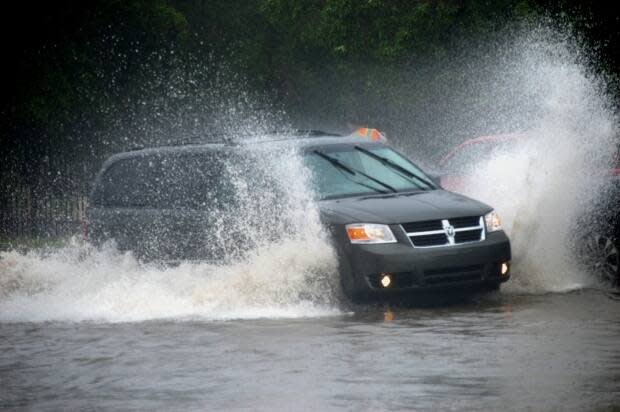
{"x":177,"y":233}
{"x":502,"y":351}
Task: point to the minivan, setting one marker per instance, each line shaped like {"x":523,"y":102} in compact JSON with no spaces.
{"x":394,"y":229}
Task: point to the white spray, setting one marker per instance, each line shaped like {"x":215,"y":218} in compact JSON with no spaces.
{"x":544,"y":183}
{"x":288,"y":271}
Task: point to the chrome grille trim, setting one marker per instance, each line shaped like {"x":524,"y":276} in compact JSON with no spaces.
{"x":450,"y":239}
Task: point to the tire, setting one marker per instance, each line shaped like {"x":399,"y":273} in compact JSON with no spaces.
{"x":601,"y":256}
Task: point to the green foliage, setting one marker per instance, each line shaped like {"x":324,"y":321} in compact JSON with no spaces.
{"x":384,"y":30}
{"x":63,"y":71}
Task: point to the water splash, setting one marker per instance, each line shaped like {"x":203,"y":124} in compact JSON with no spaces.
{"x":278,"y":262}
{"x":540,"y":86}
{"x":79,"y":283}
{"x":546,"y":180}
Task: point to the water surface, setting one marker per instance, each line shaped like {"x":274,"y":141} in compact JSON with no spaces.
{"x":544,"y":352}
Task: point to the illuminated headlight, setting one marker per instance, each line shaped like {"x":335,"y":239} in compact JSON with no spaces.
{"x":370,"y":233}
{"x":386,"y":280}
{"x":492,"y":221}
{"x":504,"y":268}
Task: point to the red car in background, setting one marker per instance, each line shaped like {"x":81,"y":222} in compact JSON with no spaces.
{"x":457,"y":164}
{"x":599,"y":242}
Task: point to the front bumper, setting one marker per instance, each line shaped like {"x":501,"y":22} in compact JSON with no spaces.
{"x":469,"y":264}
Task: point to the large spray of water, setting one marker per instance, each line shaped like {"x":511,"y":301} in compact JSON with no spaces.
{"x":546,"y":180}
{"x":540,"y":87}
{"x":283,"y":267}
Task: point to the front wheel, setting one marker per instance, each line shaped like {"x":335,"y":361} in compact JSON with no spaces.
{"x":602,"y":257}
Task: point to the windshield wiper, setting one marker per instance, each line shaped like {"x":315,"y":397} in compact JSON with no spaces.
{"x":353,"y":171}
{"x":387,"y":162}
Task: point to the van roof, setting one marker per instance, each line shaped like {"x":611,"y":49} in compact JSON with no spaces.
{"x":301,"y":140}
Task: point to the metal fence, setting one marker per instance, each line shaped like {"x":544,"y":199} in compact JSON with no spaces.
{"x":28,"y":213}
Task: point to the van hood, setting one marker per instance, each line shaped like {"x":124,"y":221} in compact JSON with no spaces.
{"x":401,"y":208}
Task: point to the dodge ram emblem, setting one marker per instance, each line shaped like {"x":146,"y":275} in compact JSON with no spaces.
{"x":450,"y":232}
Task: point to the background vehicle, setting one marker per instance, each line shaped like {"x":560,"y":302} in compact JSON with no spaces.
{"x":458,"y":164}
{"x":393,"y":229}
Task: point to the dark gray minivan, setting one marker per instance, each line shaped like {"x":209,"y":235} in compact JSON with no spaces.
{"x":394,"y":229}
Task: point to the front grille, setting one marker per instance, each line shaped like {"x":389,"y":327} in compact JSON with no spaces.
{"x":423,"y":226}
{"x":430,"y":240}
{"x":459,"y":222}
{"x":468,"y":236}
{"x":453,"y":275}
{"x":445,"y":232}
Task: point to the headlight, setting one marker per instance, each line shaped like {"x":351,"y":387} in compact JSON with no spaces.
{"x":370,"y":233}
{"x":492,"y":221}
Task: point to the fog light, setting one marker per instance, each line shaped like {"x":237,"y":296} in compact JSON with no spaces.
{"x":504,"y":269}
{"x":385,"y":280}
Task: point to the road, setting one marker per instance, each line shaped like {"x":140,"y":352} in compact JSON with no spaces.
{"x":501,"y":351}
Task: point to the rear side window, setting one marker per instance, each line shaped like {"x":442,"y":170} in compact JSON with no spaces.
{"x":197,"y":181}
{"x":128,"y":183}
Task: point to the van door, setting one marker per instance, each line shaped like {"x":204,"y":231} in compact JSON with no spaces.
{"x":123,"y":205}
{"x":192,"y":203}
{"x":165,"y":206}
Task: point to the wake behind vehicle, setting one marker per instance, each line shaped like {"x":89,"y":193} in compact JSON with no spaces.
{"x":394,"y":230}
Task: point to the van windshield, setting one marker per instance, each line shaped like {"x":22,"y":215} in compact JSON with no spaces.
{"x":365,"y":175}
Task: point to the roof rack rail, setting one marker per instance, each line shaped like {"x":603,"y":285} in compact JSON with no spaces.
{"x":202,"y":140}
{"x":313,"y":132}
{"x":222,"y":139}
{"x":305,"y":132}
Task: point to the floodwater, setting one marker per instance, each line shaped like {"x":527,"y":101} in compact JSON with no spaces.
{"x":501,"y":351}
